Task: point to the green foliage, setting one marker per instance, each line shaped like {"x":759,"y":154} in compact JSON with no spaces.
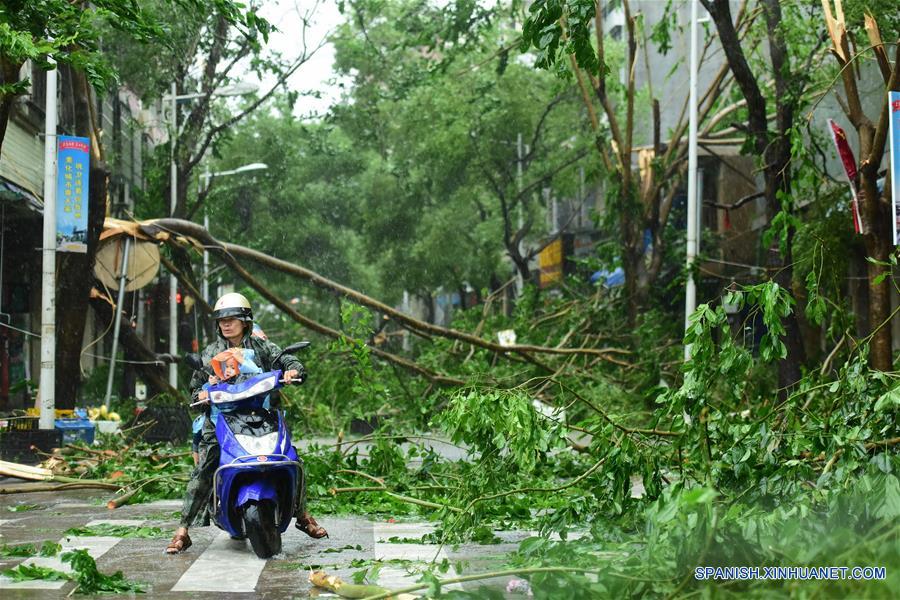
{"x":32,"y":572}
{"x":47,"y":549}
{"x":120,"y":531}
{"x":152,"y":471}
{"x":493,"y":422}
{"x":22,"y":507}
{"x":84,"y":572}
{"x":92,"y":581}
{"x":69,"y":33}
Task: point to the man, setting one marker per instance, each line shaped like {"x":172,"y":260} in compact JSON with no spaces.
{"x":234,"y":324}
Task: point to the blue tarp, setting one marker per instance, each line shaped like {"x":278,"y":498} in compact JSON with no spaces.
{"x":609,"y":279}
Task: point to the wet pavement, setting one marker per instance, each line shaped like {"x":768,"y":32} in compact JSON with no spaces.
{"x":216,"y":565}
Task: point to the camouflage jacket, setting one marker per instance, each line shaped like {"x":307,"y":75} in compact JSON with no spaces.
{"x":265,"y":352}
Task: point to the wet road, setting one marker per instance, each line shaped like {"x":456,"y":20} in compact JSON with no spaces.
{"x":216,"y":565}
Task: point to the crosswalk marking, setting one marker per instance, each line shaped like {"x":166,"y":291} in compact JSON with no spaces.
{"x":123,"y":522}
{"x":225,"y":566}
{"x":96,"y":546}
{"x":164,"y":504}
{"x":394,"y":577}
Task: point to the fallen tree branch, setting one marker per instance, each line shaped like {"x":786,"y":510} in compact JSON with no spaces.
{"x":193,"y":230}
{"x":325,"y":330}
{"x":377,"y":480}
{"x":574,"y":482}
{"x":38,"y":487}
{"x":489,"y":575}
{"x":127,"y":496}
{"x":396,"y":496}
{"x":335,"y":584}
{"x":188,"y":285}
{"x":608,"y":419}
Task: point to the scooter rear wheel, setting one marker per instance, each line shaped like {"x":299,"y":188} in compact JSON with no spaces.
{"x":260,"y":528}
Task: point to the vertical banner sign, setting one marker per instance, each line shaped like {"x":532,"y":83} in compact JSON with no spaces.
{"x":894,"y":110}
{"x":849,"y":162}
{"x":74,"y":160}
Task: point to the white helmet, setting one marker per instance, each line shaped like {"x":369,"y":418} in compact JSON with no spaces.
{"x":233,"y":306}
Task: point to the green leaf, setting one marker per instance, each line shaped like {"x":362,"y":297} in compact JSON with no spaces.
{"x":890,"y":508}
{"x":888,"y":400}
{"x":18,"y":550}
{"x":698,"y":496}
{"x":92,"y":581}
{"x":34,"y":572}
{"x":122,"y":531}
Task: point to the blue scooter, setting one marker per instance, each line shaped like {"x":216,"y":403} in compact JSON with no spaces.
{"x":255,"y":486}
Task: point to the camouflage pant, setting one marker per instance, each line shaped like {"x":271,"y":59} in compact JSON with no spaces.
{"x":198,"y":496}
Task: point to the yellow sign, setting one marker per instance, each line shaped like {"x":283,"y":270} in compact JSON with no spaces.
{"x":550,"y":261}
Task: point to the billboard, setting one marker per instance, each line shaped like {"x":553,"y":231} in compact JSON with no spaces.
{"x":72,"y":176}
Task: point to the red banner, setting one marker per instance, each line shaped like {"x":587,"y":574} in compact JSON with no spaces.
{"x":849,"y":161}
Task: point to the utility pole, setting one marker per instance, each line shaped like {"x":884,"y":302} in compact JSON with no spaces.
{"x":690,"y":292}
{"x":48,"y":260}
{"x":520,"y":281}
{"x":173,"y":201}
{"x":117,"y":321}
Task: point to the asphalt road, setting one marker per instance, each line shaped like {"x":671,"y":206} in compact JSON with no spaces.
{"x":216,"y":566}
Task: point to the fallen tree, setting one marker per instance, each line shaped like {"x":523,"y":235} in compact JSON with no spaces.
{"x":162,"y":228}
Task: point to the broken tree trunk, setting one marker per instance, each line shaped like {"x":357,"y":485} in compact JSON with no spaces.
{"x":875,"y":208}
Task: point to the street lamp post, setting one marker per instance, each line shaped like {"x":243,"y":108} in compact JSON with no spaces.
{"x":237,"y":89}
{"x":690,"y":295}
{"x":48,"y":261}
{"x":207,"y":177}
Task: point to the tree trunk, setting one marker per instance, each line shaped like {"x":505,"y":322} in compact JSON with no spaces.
{"x":75,"y":270}
{"x":9,"y":74}
{"x":877,"y":240}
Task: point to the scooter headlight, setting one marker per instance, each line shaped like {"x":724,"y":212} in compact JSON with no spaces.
{"x":264,"y":444}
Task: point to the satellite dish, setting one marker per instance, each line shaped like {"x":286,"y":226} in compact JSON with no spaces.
{"x":143,"y":262}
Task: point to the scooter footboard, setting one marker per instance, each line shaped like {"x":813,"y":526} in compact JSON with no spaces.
{"x":239,"y":483}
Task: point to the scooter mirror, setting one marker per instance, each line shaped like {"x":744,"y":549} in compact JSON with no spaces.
{"x":292,"y":348}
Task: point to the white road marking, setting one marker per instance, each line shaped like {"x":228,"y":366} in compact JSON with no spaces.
{"x":393,"y":577}
{"x":124,"y":522}
{"x":96,"y":547}
{"x":225,"y":566}
{"x":164,"y":504}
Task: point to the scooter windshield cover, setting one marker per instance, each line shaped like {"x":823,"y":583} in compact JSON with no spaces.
{"x":246,"y":389}
{"x":264,"y":444}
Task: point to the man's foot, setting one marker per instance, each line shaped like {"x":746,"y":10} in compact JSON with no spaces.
{"x":308,"y":525}
{"x":180,"y":542}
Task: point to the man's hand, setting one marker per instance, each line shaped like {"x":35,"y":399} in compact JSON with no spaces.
{"x":203,"y":398}
{"x":292,"y":374}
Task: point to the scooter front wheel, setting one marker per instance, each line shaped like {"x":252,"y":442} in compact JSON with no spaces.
{"x":260,"y":528}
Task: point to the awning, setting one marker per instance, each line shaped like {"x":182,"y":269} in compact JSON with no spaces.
{"x":15,"y":193}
